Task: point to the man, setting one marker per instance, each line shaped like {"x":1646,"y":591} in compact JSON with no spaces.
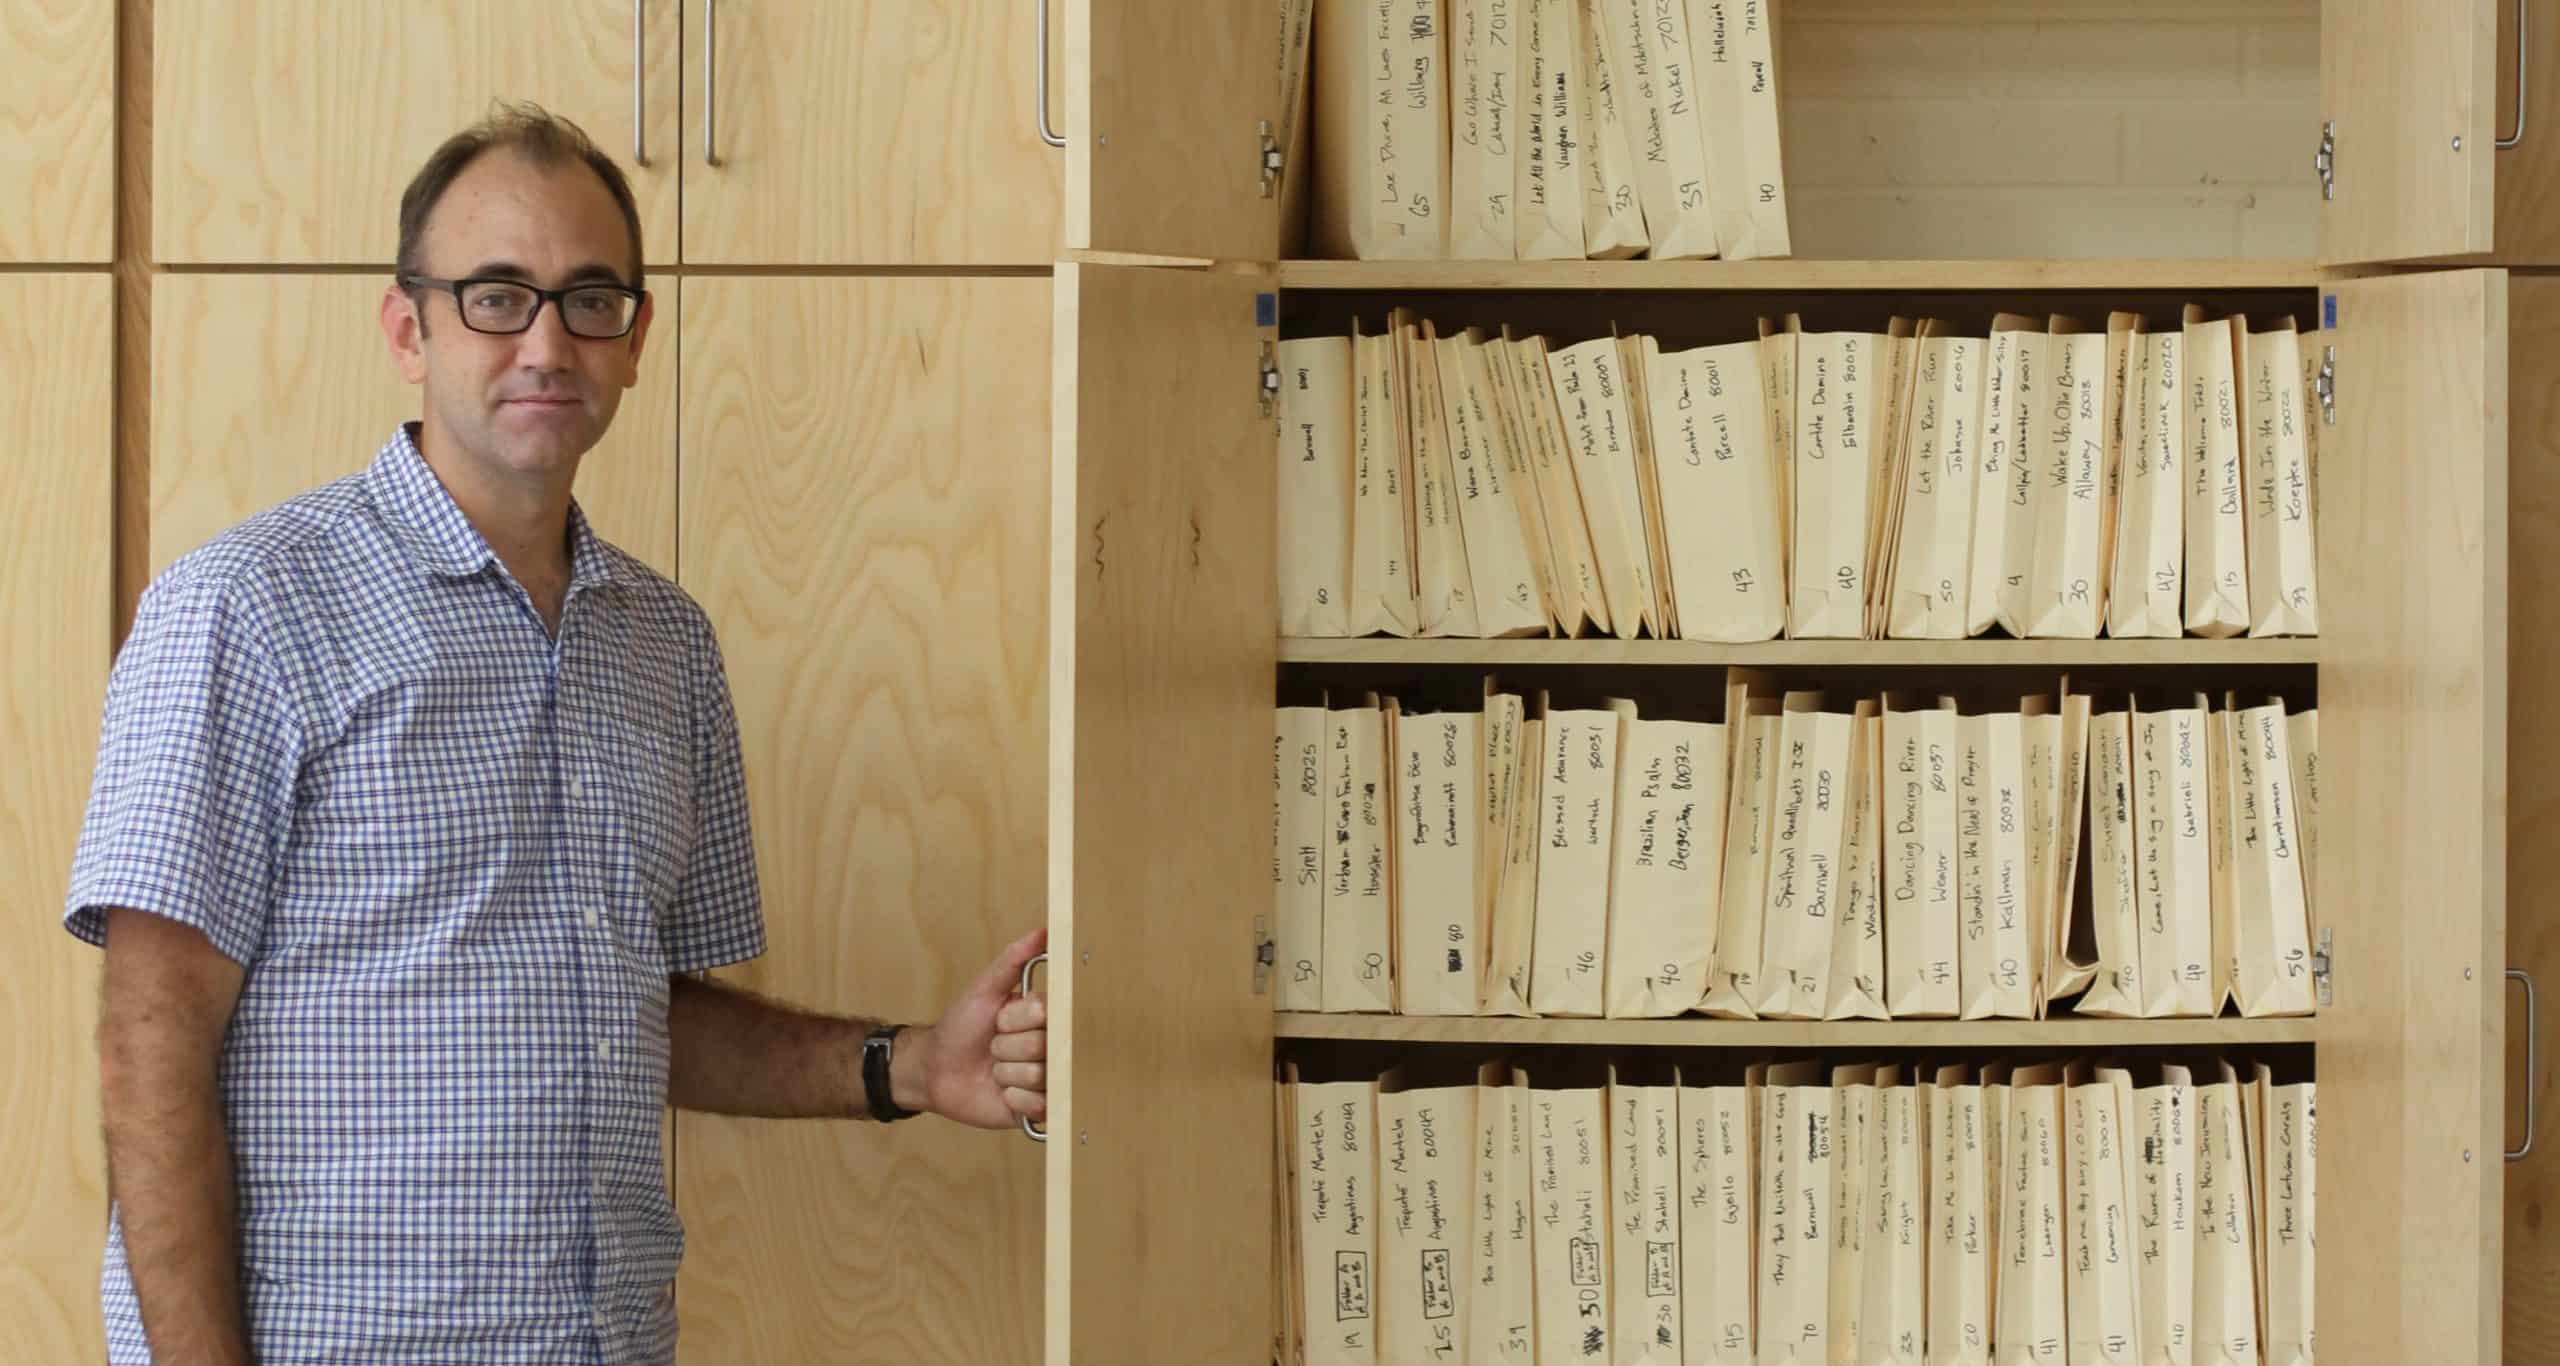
{"x":418,"y":807}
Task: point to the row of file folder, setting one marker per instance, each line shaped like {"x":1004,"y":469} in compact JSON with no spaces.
{"x":1537,"y":129}
{"x":2045,"y":479}
{"x":1803,"y":857}
{"x":1802,"y":1212}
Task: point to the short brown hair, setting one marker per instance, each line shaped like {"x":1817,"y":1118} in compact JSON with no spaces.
{"x":531,"y":132}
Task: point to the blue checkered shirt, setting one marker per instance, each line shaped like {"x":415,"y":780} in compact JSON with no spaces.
{"x":459,"y":859}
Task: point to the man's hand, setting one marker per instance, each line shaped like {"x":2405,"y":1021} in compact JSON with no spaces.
{"x":985,"y":1063}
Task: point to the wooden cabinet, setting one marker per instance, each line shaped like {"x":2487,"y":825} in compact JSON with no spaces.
{"x":868,"y":132}
{"x":2413,"y":695}
{"x":56,"y":593}
{"x":2413,"y":671}
{"x":1160,"y":654}
{"x":265,"y":385}
{"x":865,"y":471}
{"x":283,"y":132}
{"x":2532,"y":1323}
{"x":58,"y":101}
{"x":2434,"y":111}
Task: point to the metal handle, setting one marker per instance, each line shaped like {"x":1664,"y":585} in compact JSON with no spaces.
{"x":2532,"y":1062}
{"x":1040,"y":78}
{"x":639,"y":79}
{"x":2507,"y":142}
{"x":1033,"y":1131}
{"x":710,"y":81}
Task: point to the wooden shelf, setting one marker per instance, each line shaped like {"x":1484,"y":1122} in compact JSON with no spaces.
{"x":1784,"y":653}
{"x":1695,"y":1032}
{"x":2114,"y":276}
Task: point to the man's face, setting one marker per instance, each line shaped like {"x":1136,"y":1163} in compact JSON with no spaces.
{"x":525,"y":405}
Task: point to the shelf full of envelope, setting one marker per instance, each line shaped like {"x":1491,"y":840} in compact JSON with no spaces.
{"x":1799,"y":856}
{"x":1799,"y":1211}
{"x":2047,"y":478}
{"x":1534,"y":129}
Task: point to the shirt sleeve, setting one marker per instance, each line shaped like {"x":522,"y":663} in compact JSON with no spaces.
{"x":718,"y":916}
{"x":197,"y":757}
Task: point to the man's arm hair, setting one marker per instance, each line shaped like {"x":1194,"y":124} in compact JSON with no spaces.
{"x":167,"y":1004}
{"x":732,"y":1052}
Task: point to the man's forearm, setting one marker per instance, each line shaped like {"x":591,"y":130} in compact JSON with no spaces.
{"x":169,"y":1162}
{"x":732,"y":1052}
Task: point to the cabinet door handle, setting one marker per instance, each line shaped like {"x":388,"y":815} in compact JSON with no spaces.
{"x":2532,"y":1059}
{"x":1040,"y":76}
{"x":2521,"y":30}
{"x":710,"y":81}
{"x":1033,"y":1131}
{"x":639,"y":82}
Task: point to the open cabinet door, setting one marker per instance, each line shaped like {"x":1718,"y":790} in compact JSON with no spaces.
{"x":2533,"y":816}
{"x":1161,"y":657}
{"x":2411,"y":86}
{"x":2413,"y":737}
{"x":1164,"y":102}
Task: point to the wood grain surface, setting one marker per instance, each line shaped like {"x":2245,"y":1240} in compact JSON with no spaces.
{"x":863,"y":493}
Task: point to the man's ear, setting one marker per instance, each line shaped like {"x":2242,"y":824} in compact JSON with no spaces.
{"x":639,"y":337}
{"x":405,"y":328}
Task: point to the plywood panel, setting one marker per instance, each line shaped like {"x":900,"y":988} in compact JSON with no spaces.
{"x":2533,"y":809}
{"x":2528,"y":173}
{"x":864,"y":485}
{"x":2006,"y":129}
{"x":1164,"y":98}
{"x":265,"y":385}
{"x":56,"y":584}
{"x":2413,"y":90}
{"x":1161,"y":661}
{"x":57,"y":105}
{"x":2413,"y":738}
{"x":869,"y":132}
{"x":285,"y":130}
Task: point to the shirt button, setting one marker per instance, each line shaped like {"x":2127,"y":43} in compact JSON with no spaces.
{"x":604,"y":1050}
{"x":593,"y":919}
{"x":577,"y":789}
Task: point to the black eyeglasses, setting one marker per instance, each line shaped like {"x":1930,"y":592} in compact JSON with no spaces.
{"x":503,"y":307}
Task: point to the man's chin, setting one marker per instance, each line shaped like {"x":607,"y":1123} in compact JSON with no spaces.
{"x":544,"y":452}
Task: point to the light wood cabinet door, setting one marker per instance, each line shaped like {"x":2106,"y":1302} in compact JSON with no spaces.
{"x":868,"y":132}
{"x":2528,"y":122}
{"x":864,"y":493}
{"x":57,"y":562}
{"x":1164,"y":104}
{"x":284,"y":131}
{"x":2413,"y":522}
{"x":2532,"y":1324}
{"x":265,"y":385}
{"x":2410,"y":87}
{"x":1161,"y":658}
{"x":58,"y":103}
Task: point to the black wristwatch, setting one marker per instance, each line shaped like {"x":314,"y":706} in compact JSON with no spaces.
{"x":877,"y":1049}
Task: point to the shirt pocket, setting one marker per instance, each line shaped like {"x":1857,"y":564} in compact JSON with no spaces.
{"x":650,"y":785}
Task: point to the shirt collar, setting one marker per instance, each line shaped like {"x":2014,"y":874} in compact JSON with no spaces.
{"x":434,"y":531}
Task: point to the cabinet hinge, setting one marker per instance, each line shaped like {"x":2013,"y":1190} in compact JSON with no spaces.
{"x":2326,"y":163}
{"x":1266,"y":953}
{"x":2325,"y":384}
{"x":2320,"y":964}
{"x":1269,"y":158}
{"x":1270,"y":387}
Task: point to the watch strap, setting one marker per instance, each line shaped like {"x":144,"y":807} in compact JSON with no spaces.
{"x":878,"y":1048}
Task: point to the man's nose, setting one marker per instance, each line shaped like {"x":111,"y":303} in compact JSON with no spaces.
{"x":547,"y":344}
